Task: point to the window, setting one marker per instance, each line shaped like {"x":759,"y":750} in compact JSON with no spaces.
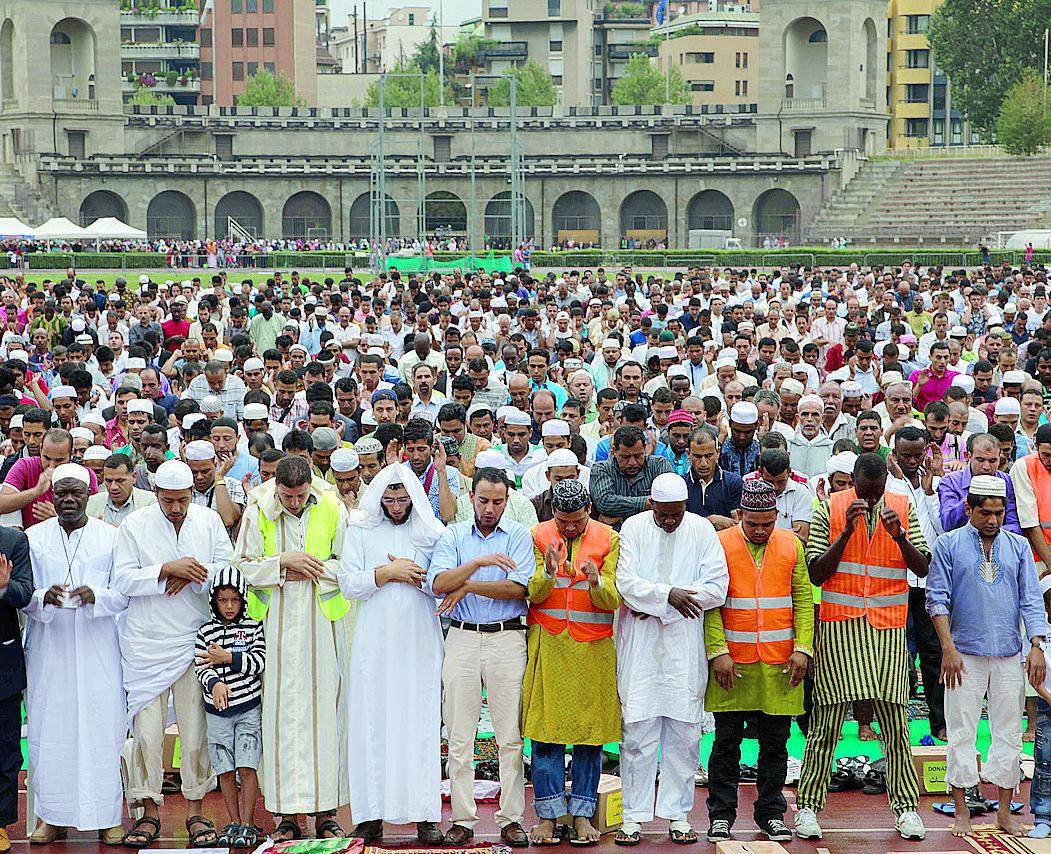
{"x":939,"y":131}
{"x":236,"y":6}
{"x":554,"y":8}
{"x":744,"y":60}
{"x":206,"y":37}
{"x":916,"y":127}
{"x":598,"y":84}
{"x":239,"y":70}
{"x":268,"y":36}
{"x":956,"y":128}
{"x":206,"y":71}
{"x":916,"y":93}
{"x":702,"y":86}
{"x":918,"y":58}
{"x":237,"y":37}
{"x":555,"y":46}
{"x":737,"y":88}
{"x":744,"y":87}
{"x":556,"y":79}
{"x":497,"y":11}
{"x":412,"y":19}
{"x":916,"y":24}
{"x":598,"y":49}
{"x":252,"y":37}
{"x":253,"y":69}
{"x":251,"y":5}
{"x":939,"y":97}
{"x":268,"y":5}
{"x":269,"y":66}
{"x":737,"y":59}
{"x":704,"y":58}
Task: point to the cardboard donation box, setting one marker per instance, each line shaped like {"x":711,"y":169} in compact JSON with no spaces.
{"x":172,"y":754}
{"x":930,"y":767}
{"x":609,"y":813}
{"x":732,"y":847}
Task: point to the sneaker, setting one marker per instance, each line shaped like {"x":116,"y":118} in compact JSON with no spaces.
{"x":775,"y":830}
{"x":719,"y":830}
{"x":806,"y":824}
{"x":910,"y":826}
{"x":701,"y":777}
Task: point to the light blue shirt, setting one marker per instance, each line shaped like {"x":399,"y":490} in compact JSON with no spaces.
{"x":246,"y":464}
{"x":462,"y":542}
{"x":984,"y":615}
{"x":561,"y":395}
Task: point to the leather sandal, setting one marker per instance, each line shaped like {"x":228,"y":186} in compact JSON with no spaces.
{"x":512,"y":834}
{"x":458,"y":836}
{"x":148,"y":828}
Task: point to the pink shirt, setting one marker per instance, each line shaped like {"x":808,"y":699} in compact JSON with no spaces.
{"x":932,"y":390}
{"x":24,"y":475}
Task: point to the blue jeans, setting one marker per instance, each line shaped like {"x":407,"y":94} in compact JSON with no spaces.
{"x":549,"y":779}
{"x":1040,"y":790}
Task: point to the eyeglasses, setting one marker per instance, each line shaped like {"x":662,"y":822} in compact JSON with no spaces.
{"x":395,"y":502}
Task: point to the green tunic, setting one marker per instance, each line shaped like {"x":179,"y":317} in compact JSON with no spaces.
{"x":569,"y":694}
{"x":763,"y":687}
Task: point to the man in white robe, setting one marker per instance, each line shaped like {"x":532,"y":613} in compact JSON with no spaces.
{"x":289,"y":549}
{"x":77,"y":715}
{"x":164,"y":559}
{"x":394,"y":753}
{"x":671,"y":570}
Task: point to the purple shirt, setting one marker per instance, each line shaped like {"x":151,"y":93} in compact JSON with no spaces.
{"x":952,"y":497}
{"x":932,"y":390}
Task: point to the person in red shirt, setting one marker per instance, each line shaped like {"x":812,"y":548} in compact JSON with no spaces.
{"x":27,"y":487}
{"x":177,"y":324}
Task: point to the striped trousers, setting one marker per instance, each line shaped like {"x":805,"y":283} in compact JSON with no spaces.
{"x":826,"y":725}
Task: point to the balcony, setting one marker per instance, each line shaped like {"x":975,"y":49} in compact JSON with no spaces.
{"x":802,"y":105}
{"x":75,"y":105}
{"x":625,"y":51}
{"x":171,"y":50}
{"x":507,"y":50}
{"x":177,"y":17}
{"x":192,"y":87}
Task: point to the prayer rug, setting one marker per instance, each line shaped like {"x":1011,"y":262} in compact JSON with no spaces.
{"x":988,"y":840}
{"x":479,"y":849}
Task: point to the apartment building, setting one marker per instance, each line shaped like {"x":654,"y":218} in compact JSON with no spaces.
{"x":159,"y":49}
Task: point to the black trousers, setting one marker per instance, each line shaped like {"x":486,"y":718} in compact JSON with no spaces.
{"x":724,"y":767}
{"x":10,"y":757}
{"x":930,"y":651}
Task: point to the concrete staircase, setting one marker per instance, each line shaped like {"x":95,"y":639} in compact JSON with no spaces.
{"x":19,"y":199}
{"x":957,"y":201}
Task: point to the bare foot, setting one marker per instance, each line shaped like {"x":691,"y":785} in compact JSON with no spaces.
{"x":1010,"y":825}
{"x":961,"y":826}
{"x":543,"y":833}
{"x":585,"y":829}
{"x":1029,"y":736}
{"x":866,"y":732}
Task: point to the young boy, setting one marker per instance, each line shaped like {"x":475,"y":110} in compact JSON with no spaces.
{"x":230,"y":655}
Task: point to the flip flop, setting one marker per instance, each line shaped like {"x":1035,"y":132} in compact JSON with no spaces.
{"x":680,"y":838}
{"x":557,"y":838}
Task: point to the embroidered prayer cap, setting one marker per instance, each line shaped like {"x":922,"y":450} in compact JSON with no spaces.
{"x":173,"y":474}
{"x":668,"y":487}
{"x":82,"y":433}
{"x":254,"y":364}
{"x":758,"y":495}
{"x":452,"y":447}
{"x":255,"y":411}
{"x":211,"y":403}
{"x":516,"y":418}
{"x":988,"y":485}
{"x":199,"y":451}
{"x":191,"y":418}
{"x":1014,"y":377}
{"x":792,"y":386}
{"x":680,"y":416}
{"x":852,"y":389}
{"x":97,"y":452}
{"x":367,"y":445}
{"x":344,"y":460}
{"x":71,"y":471}
{"x":569,"y":496}
{"x":1007,"y":406}
{"x":63,"y":391}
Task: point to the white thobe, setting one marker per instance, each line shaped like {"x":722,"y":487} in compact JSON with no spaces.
{"x":158,"y":632}
{"x":391,"y":729}
{"x":75,"y":705}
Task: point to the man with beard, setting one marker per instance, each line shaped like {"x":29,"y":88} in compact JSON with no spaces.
{"x":427,"y":459}
{"x":346,"y":472}
{"x":153,"y":444}
{"x":809,"y":448}
{"x":393,"y":755}
{"x":621,"y":484}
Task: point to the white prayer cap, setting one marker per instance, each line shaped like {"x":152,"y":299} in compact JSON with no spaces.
{"x":97,"y":452}
{"x":843,"y":462}
{"x":199,"y":450}
{"x":343,"y":460}
{"x":668,"y":352}
{"x":839,"y":375}
{"x":320,"y":311}
{"x":744,"y":412}
{"x":561,"y":457}
{"x":114,"y":297}
{"x":211,"y":403}
{"x":223,"y":355}
{"x":140,"y":405}
{"x":77,"y":324}
{"x":297,"y":347}
{"x":63,"y":391}
{"x":71,"y":471}
{"x":554,"y":427}
{"x":15,"y":423}
{"x":368,"y":419}
{"x":610,"y":342}
{"x":964,"y":381}
{"x":420,"y":414}
{"x":1014,"y":377}
{"x":889,"y":378}
{"x":1007,"y":406}
{"x":366,"y":445}
{"x":20,"y":355}
{"x":515,"y":417}
{"x":958,"y":332}
{"x":135,"y":363}
{"x":474,"y":314}
{"x":852,"y":390}
{"x":988,"y":484}
{"x":578,"y":373}
{"x":811,"y":399}
{"x":904,"y":352}
{"x":173,"y":474}
{"x":84,"y":339}
{"x":254,"y":364}
{"x":82,"y":433}
{"x":189,"y":420}
{"x":792,"y":386}
{"x":475,"y":408}
{"x":144,"y":279}
{"x":254,"y":411}
{"x":492,"y":460}
{"x":728,"y":353}
{"x":726,"y":362}
{"x":668,"y":487}
{"x":678,"y":371}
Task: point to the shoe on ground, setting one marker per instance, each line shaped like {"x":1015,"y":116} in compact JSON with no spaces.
{"x":701,"y":777}
{"x":429,"y":833}
{"x":512,"y":834}
{"x":806,"y":824}
{"x":112,"y":835}
{"x":719,"y":830}
{"x":368,"y":831}
{"x":910,"y":826}
{"x":776,"y":830}
{"x":45,"y":834}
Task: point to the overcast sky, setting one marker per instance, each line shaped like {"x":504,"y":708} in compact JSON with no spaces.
{"x":455,"y":11}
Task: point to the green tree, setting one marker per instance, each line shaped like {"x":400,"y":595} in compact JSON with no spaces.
{"x":985,"y":46}
{"x":267,"y":90}
{"x":146,"y":97}
{"x":405,"y":91}
{"x":465,"y":48}
{"x":535,"y":87}
{"x":642,"y":84}
{"x":1024,"y":123}
{"x":426,"y":54}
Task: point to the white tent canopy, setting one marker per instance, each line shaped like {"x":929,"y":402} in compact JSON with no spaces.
{"x":111,"y":228}
{"x":1040,"y":238}
{"x":13,"y":227}
{"x":60,"y":228}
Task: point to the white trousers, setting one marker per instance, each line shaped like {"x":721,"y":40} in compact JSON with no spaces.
{"x":1003,"y":680}
{"x":678,"y":744}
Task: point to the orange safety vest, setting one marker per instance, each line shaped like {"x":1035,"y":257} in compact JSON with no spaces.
{"x":870,"y":580}
{"x":1040,"y":477}
{"x":757,"y":614}
{"x":569,"y":604}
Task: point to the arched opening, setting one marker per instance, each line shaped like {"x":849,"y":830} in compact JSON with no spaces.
{"x":7,"y":61}
{"x":100,"y":204}
{"x":710,"y":210}
{"x":72,"y":60}
{"x":444,"y":215}
{"x":871,"y":70}
{"x":776,"y":216}
{"x":498,"y":231}
{"x":171,"y":215}
{"x":245,"y":211}
{"x":806,"y":58}
{"x":362,"y":224}
{"x":643,"y":219}
{"x":306,"y":215}
{"x":576,"y":218}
